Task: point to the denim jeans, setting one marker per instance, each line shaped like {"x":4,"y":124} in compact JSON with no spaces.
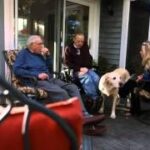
{"x":89,"y":82}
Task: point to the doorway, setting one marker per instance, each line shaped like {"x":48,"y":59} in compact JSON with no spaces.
{"x":138,"y":32}
{"x":77,"y":20}
{"x":82,"y":16}
{"x":40,"y":17}
{"x":57,"y":21}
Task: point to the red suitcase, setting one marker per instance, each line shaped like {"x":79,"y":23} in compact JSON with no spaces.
{"x":44,"y":132}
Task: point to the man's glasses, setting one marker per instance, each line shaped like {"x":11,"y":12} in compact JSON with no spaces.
{"x":40,"y":43}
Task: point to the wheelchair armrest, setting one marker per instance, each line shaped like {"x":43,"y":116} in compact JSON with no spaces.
{"x":67,"y":74}
{"x":57,"y":74}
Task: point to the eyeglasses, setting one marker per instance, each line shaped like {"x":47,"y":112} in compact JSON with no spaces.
{"x":40,"y":43}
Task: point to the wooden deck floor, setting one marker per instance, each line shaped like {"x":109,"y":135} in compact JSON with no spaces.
{"x":123,"y":134}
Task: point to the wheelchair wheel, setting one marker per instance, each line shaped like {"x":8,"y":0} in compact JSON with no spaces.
{"x":91,"y":105}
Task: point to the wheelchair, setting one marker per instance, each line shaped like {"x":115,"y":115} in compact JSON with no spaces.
{"x":91,"y":106}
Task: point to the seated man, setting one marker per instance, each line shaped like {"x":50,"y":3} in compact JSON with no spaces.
{"x":78,"y":58}
{"x":36,"y":61}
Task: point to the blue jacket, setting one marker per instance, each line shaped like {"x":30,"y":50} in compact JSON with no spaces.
{"x":31,"y":64}
{"x":146,"y":75}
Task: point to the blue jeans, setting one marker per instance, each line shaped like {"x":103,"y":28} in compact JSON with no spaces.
{"x":89,"y":82}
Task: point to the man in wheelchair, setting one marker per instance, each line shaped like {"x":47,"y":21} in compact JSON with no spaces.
{"x":36,"y":61}
{"x":78,"y":58}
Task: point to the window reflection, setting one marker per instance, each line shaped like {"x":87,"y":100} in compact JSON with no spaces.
{"x":39,"y":28}
{"x":38,"y":17}
{"x":22,"y":26}
{"x":77,"y":18}
{"x":24,"y":8}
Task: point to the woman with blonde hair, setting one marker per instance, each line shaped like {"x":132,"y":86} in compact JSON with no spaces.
{"x":139,"y":81}
{"x":145,"y":55}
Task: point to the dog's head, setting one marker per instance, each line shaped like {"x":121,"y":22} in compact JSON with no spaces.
{"x":114,"y":80}
{"x":110,"y":83}
{"x":123,"y":73}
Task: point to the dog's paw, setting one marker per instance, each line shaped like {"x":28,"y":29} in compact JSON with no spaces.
{"x":113,"y":116}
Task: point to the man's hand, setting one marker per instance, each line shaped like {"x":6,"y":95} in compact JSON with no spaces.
{"x":45,"y":51}
{"x":43,"y":76}
{"x":83,"y":70}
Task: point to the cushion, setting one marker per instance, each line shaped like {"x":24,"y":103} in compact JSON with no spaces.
{"x":44,"y":133}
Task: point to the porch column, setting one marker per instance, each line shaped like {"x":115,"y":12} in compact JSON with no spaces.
{"x":124,"y":32}
{"x":6,"y":30}
{"x":1,"y":37}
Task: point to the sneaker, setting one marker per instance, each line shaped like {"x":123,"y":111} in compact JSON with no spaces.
{"x":90,"y":119}
{"x":95,"y":130}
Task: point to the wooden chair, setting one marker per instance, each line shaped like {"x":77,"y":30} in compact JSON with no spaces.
{"x":57,"y":112}
{"x":37,"y":93}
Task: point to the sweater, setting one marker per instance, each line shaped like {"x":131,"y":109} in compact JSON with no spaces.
{"x":28,"y":64}
{"x":76,"y":58}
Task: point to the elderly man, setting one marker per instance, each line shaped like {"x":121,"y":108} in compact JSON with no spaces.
{"x":36,"y":61}
{"x":78,"y":58}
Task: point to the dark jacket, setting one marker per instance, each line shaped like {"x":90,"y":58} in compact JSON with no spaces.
{"x":146,"y":75}
{"x":77,"y":58}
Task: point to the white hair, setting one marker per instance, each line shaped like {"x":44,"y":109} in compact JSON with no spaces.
{"x":32,"y":39}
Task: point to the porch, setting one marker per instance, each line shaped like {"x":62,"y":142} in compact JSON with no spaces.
{"x":123,"y":133}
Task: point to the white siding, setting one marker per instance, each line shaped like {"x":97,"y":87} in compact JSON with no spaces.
{"x":110,"y":33}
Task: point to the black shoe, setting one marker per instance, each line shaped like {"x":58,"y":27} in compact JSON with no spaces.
{"x":91,"y":120}
{"x":95,"y":130}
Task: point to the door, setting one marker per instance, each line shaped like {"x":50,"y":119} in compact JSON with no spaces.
{"x":77,"y":20}
{"x":82,"y":16}
{"x":139,"y":14}
{"x":41,"y":17}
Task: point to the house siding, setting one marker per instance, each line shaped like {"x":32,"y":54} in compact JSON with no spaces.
{"x":110,"y":32}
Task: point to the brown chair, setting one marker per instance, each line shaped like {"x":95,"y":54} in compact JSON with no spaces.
{"x":37,"y":93}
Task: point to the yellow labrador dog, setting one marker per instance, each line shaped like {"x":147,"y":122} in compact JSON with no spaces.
{"x":109,"y":86}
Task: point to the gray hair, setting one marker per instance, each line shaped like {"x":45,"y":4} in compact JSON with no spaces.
{"x":32,"y":39}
